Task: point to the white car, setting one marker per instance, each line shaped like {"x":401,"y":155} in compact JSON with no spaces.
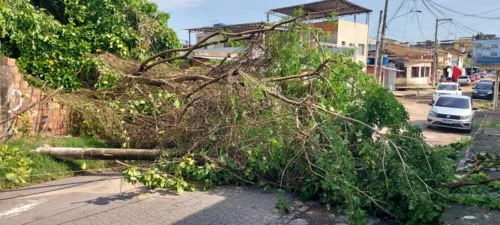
{"x":464,"y":80}
{"x":446,"y":89}
{"x":452,"y":111}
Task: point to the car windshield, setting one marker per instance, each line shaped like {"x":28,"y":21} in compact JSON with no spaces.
{"x":483,"y":86}
{"x":447,"y":87}
{"x":463,"y":77}
{"x":457,"y":103}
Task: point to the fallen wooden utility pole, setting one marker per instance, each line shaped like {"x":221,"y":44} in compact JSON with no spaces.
{"x":101,"y":153}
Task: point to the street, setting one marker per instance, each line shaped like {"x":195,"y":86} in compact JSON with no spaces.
{"x":418,"y":108}
{"x":104,"y":199}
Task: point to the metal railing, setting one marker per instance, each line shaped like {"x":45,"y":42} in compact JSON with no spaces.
{"x":345,"y":50}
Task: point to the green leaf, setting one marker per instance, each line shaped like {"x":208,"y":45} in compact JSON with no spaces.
{"x":84,"y":166}
{"x":11,"y":176}
{"x":177,"y":103}
{"x":180,"y":189}
{"x":212,"y":137}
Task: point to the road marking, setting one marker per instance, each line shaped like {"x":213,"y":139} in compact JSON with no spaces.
{"x":19,"y":209}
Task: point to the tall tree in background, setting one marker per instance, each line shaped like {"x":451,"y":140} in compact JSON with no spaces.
{"x":480,"y":36}
{"x":53,"y":39}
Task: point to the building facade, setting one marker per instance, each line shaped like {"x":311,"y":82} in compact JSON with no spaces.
{"x":345,"y":35}
{"x":414,"y":65}
{"x":487,"y":54}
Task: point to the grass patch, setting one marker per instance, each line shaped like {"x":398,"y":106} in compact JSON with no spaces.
{"x":492,"y":124}
{"x":46,"y":168}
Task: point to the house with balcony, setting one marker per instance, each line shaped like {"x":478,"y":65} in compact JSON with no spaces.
{"x":347,"y":36}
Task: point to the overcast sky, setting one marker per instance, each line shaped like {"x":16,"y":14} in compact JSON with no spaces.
{"x":197,"y":13}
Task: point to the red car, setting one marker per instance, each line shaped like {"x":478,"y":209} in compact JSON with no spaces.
{"x":475,"y":78}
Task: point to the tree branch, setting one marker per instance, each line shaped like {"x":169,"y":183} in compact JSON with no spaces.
{"x":463,"y":184}
{"x":315,"y":73}
{"x":203,"y":43}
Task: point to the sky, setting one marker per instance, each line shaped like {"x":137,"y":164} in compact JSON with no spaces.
{"x":404,"y":27}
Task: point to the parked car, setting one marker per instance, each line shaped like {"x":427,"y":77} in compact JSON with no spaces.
{"x":464,"y":80}
{"x":452,"y":111}
{"x":475,"y":78}
{"x":483,"y":90}
{"x":448,"y":88}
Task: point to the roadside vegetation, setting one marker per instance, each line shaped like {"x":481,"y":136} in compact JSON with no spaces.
{"x":20,"y":165}
{"x":293,"y":117}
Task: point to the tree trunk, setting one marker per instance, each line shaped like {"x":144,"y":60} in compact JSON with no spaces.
{"x":101,"y":153}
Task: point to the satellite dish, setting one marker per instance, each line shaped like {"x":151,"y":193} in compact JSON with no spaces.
{"x":463,"y":50}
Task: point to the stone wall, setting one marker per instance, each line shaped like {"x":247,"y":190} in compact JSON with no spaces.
{"x":47,"y":118}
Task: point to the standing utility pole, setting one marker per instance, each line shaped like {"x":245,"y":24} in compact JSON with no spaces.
{"x":377,"y":43}
{"x":382,"y":37}
{"x":436,"y":54}
{"x":436,"y":57}
{"x":495,"y":93}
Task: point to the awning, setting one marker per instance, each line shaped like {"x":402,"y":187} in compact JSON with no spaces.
{"x":323,"y":9}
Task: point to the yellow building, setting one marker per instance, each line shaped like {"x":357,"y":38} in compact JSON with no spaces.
{"x":464,"y":43}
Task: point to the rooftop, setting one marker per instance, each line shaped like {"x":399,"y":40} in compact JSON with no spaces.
{"x":236,"y":28}
{"x":323,"y":9}
{"x":395,"y":50}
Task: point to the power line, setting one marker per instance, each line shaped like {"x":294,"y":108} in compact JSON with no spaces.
{"x":464,"y":28}
{"x":465,"y":14}
{"x":406,"y":21}
{"x":397,"y":10}
{"x":446,"y":16}
{"x":459,"y":31}
{"x":418,"y":19}
{"x":430,"y":10}
{"x":457,"y":24}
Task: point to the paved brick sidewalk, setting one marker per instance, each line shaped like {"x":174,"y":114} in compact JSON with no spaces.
{"x":97,"y":200}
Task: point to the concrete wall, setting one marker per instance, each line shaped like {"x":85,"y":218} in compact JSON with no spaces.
{"x":354,"y":34}
{"x":410,"y":81}
{"x":348,"y":34}
{"x":48,"y":118}
{"x":201,"y":36}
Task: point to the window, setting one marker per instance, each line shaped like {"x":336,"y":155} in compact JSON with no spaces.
{"x":447,"y":87}
{"x":414,"y":71}
{"x":484,"y":86}
{"x":361,"y":49}
{"x":351,"y":45}
{"x":425,"y":71}
{"x":493,"y":54}
{"x":343,"y":43}
{"x":456,"y":103}
{"x":478,"y":45}
{"x":494,"y":45}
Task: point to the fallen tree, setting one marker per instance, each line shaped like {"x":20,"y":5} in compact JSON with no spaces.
{"x":100,"y":153}
{"x":286,"y":114}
